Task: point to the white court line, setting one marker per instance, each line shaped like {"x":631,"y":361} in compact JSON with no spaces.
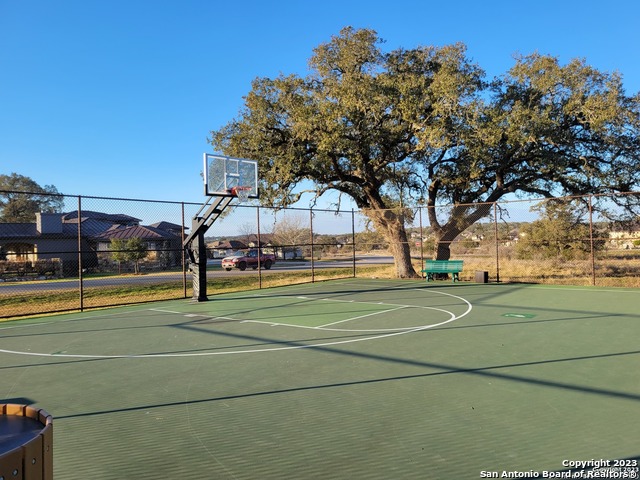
{"x":338,"y":300}
{"x":2,"y":327}
{"x":55,"y":321}
{"x":361,"y":330}
{"x":360,"y":316}
{"x":261,"y":350}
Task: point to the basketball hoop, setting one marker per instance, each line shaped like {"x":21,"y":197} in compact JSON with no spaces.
{"x":241,"y":192}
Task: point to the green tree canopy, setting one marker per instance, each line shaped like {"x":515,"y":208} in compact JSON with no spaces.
{"x":130,"y":250}
{"x":561,"y":233}
{"x":21,"y":198}
{"x":424,"y":126}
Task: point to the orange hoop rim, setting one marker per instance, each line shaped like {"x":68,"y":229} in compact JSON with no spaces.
{"x":235,"y":190}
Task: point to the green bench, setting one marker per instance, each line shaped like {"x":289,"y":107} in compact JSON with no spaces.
{"x":433,"y":267}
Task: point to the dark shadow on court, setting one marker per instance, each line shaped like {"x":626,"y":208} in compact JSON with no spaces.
{"x":18,"y":400}
{"x":489,"y":371}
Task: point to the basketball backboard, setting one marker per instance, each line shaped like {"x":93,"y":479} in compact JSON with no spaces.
{"x":224,"y":175}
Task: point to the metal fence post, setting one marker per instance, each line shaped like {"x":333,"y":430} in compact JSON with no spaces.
{"x":495,"y":224}
{"x":182,"y":255}
{"x":353,"y":240}
{"x":313,"y":269}
{"x":593,"y":261}
{"x":80,"y":278}
{"x":421,"y":238}
{"x":259,"y":246}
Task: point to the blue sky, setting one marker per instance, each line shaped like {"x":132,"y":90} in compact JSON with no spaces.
{"x":117,"y":98}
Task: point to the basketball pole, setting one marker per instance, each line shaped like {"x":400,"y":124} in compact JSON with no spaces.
{"x":196,"y":247}
{"x":225,"y":178}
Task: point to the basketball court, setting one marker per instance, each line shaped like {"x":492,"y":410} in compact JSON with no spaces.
{"x":361,"y":379}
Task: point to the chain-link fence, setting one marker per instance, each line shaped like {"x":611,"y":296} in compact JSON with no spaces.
{"x":104,"y":252}
{"x":591,"y":240}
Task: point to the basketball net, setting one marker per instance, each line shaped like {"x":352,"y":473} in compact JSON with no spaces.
{"x":242,"y":193}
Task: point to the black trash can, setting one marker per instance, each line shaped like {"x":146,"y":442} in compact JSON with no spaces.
{"x":482,"y":276}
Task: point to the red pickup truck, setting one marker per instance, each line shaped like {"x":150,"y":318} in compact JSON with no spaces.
{"x":241,"y":260}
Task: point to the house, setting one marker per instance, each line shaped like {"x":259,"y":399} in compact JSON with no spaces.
{"x":266,"y":240}
{"x":59,"y":236}
{"x":49,"y":238}
{"x":169,"y":227}
{"x":222,"y":248}
{"x":269,"y":244}
{"x":625,"y":235}
{"x":164,"y":247}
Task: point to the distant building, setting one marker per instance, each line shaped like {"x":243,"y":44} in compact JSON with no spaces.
{"x":60,"y":235}
{"x":164,"y":247}
{"x":625,"y":236}
{"x":222,"y":248}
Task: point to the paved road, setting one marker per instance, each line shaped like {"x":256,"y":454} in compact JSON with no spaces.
{"x":214,"y":270}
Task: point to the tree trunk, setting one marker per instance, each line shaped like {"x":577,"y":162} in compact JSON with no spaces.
{"x":401,"y":252}
{"x":460,"y":218}
{"x":442,"y":250}
{"x":444,"y":239}
{"x":391,"y":225}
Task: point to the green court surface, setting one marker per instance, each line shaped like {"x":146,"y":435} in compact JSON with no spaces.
{"x":349,"y":379}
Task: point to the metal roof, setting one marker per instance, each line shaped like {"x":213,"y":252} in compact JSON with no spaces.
{"x":137,"y":231}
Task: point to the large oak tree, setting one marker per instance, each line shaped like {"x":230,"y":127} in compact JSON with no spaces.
{"x":21,"y":198}
{"x":424,"y":126}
